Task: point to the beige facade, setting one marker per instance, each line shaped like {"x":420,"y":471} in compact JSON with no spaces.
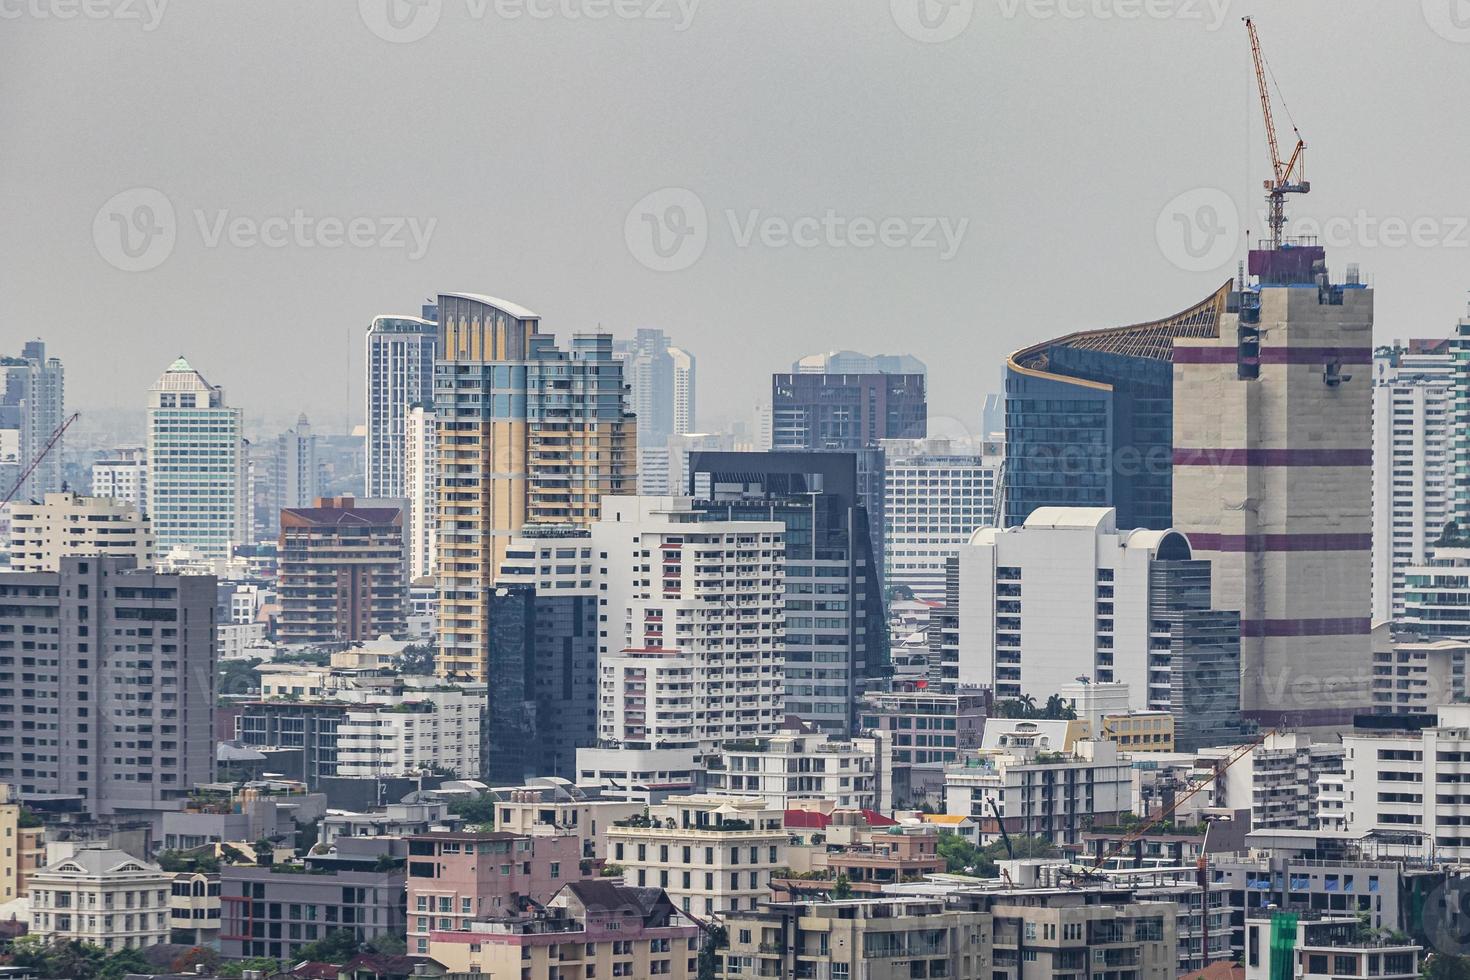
{"x":712,"y":854}
{"x":71,"y":524}
{"x":104,"y":897}
{"x":535,"y":810}
{"x":194,"y":908}
{"x":1272,"y":481}
{"x":526,"y":434}
{"x":870,"y":939}
{"x":22,"y":849}
{"x":1139,"y":731}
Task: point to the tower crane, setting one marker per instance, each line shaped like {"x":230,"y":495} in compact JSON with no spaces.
{"x":1289,"y":176}
{"x":45,"y":451}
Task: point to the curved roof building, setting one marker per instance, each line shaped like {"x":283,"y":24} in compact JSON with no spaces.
{"x":1090,"y":416}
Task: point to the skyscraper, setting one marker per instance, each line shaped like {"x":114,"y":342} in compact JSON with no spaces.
{"x":1272,"y":480}
{"x":32,"y":408}
{"x":528,"y":434}
{"x":1413,"y":394}
{"x":836,"y":634}
{"x":1089,"y":419}
{"x":400,"y":374}
{"x":196,"y":465}
{"x":935,"y":495}
{"x":421,"y":488}
{"x":660,"y":380}
{"x":298,"y":481}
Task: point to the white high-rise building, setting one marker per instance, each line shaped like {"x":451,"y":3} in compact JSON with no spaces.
{"x":420,"y":478}
{"x":684,"y":390}
{"x":664,"y":470}
{"x":123,"y":475}
{"x":694,"y":648}
{"x":935,"y":496}
{"x":1413,"y":392}
{"x":197,"y":496}
{"x":32,"y":408}
{"x":298,"y":480}
{"x":400,"y":374}
{"x":67,"y":524}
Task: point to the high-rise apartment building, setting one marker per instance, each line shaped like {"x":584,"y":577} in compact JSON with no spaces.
{"x":400,"y":375}
{"x":421,"y":491}
{"x":32,"y":408}
{"x":107,"y":681}
{"x":1413,"y":392}
{"x":660,"y":379}
{"x":123,"y":475}
{"x":41,"y":534}
{"x":1089,"y":419}
{"x":197,"y":496}
{"x":935,"y":495}
{"x":528,"y":434}
{"x":852,"y":362}
{"x":298,"y":479}
{"x":685,"y":413}
{"x":694,"y":651}
{"x":836,"y":635}
{"x":1273,"y":480}
{"x":342,"y":574}
{"x":1068,"y":594}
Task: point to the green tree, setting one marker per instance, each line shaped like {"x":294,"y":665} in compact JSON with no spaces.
{"x":715,"y":939}
{"x":388,"y":944}
{"x":337,"y":946}
{"x":480,"y":810}
{"x":123,"y":962}
{"x":842,"y":887}
{"x":1445,"y":966}
{"x":261,"y":964}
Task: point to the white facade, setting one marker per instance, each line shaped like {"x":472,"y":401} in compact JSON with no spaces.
{"x":1285,"y":782}
{"x":421,"y":486}
{"x":790,"y":767}
{"x":1051,"y":794}
{"x":1414,"y":676}
{"x":1437,"y":595}
{"x":123,"y":476}
{"x":1416,"y":784}
{"x":242,"y":641}
{"x":104,"y":897}
{"x":432,"y":728}
{"x":68,"y":524}
{"x":935,"y":496}
{"x":298,"y":481}
{"x":695,"y":616}
{"x":196,"y":465}
{"x":1063,"y":596}
{"x":685,"y":416}
{"x":1413,"y":393}
{"x":400,"y":375}
{"x":663,"y":469}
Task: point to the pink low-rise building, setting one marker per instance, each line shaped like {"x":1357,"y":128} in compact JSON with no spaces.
{"x":455,"y":877}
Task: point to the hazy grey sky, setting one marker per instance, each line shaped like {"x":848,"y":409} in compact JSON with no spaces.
{"x":1048,"y":137}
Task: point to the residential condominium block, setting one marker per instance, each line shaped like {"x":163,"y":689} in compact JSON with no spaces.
{"x":1068,"y":594}
{"x":695,"y":608}
{"x":528,"y":434}
{"x":32,"y":410}
{"x":197,"y":490}
{"x":41,"y":534}
{"x":400,"y":375}
{"x":1413,"y":395}
{"x":123,"y":475}
{"x":589,"y":929}
{"x":343,"y":574}
{"x":103,"y":897}
{"x":273,"y":912}
{"x":107,"y":678}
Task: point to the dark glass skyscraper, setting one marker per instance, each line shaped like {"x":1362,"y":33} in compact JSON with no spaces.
{"x":1090,"y":419}
{"x":836,"y":636}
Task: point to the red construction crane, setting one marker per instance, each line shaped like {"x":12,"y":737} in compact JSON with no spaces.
{"x":45,"y":450}
{"x":1289,"y":176}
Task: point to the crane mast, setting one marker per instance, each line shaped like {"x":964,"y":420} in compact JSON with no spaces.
{"x":1287,"y":176}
